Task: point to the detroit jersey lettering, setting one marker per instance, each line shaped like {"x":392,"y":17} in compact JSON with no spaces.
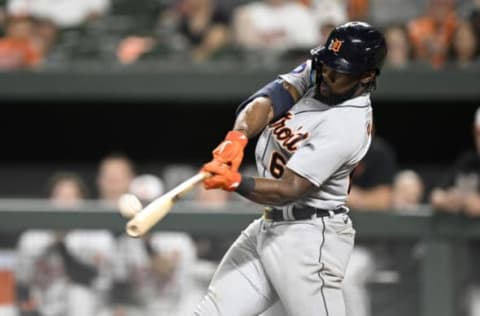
{"x":341,"y":139}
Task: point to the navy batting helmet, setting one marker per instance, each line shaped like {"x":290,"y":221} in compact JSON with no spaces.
{"x":352,"y":48}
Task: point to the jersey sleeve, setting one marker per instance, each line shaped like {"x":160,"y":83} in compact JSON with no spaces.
{"x":301,"y":77}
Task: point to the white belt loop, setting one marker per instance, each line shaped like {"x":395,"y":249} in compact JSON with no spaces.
{"x":331,"y":213}
{"x":288,"y":213}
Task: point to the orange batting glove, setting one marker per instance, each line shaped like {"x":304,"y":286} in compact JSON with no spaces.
{"x":230,"y":150}
{"x":222,"y":177}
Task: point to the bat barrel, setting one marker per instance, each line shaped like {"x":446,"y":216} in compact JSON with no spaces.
{"x":150,"y":215}
{"x":157,"y":209}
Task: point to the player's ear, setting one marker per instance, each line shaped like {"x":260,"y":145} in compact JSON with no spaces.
{"x":368,"y":77}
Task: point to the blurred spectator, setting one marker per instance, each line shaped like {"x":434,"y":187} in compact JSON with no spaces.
{"x":66,"y":29}
{"x":178,"y":280}
{"x":158,"y":274}
{"x":152,"y":275}
{"x":3,"y":16}
{"x":8,"y":261}
{"x":62,"y":13}
{"x":18,"y":49}
{"x":40,"y":275}
{"x":115,"y":174}
{"x":459,"y":193}
{"x":166,"y":277}
{"x":116,"y":171}
{"x":211,"y":198}
{"x":66,"y":189}
{"x":383,"y":13}
{"x":372,"y":179}
{"x":275,"y":26}
{"x":205,"y":25}
{"x":357,"y":10}
{"x":41,"y":271}
{"x":63,"y":273}
{"x":328,"y":14}
{"x":88,"y":256}
{"x":460,"y":190}
{"x":465,"y":45}
{"x":408,"y":190}
{"x":7,"y":283}
{"x":432,"y":33}
{"x":133,"y":47}
{"x":474,"y":18}
{"x":174,"y":174}
{"x":45,"y":37}
{"x":399,"y":50}
{"x":201,"y":27}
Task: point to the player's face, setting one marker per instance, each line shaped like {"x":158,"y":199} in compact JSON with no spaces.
{"x":336,"y":83}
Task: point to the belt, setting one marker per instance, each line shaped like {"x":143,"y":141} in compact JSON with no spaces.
{"x":301,"y":213}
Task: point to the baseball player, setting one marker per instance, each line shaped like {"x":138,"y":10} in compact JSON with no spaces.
{"x":315,"y":126}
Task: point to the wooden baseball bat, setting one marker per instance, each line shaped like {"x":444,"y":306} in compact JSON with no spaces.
{"x":158,"y":208}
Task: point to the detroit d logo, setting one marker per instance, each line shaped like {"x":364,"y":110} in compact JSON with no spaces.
{"x":335,"y":45}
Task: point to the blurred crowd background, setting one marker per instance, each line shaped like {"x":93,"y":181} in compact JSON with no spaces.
{"x":50,"y":34}
{"x":69,"y":153}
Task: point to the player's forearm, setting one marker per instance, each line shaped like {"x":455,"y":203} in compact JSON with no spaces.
{"x":254,"y":117}
{"x":272,"y":192}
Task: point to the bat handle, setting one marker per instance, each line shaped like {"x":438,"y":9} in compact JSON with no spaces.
{"x":187,"y":185}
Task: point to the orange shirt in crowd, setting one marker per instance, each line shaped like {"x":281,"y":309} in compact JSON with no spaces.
{"x":431,"y":40}
{"x":7,"y":287}
{"x":357,"y":9}
{"x":18,"y":53}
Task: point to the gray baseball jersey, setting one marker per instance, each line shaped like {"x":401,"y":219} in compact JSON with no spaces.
{"x":319,"y":142}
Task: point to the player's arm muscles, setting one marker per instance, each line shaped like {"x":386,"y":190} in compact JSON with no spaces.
{"x":281,"y":191}
{"x":259,"y":112}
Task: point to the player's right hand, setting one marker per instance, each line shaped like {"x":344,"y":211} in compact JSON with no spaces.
{"x":230,"y":150}
{"x":222,"y":177}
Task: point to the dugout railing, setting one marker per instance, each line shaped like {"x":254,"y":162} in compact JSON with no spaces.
{"x":163,"y":81}
{"x":439,"y":234}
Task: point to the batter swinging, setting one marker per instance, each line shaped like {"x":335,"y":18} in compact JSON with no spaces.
{"x":298,"y":251}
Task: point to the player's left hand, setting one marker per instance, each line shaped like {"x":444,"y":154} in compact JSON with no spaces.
{"x":230,"y":151}
{"x":223,"y":177}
